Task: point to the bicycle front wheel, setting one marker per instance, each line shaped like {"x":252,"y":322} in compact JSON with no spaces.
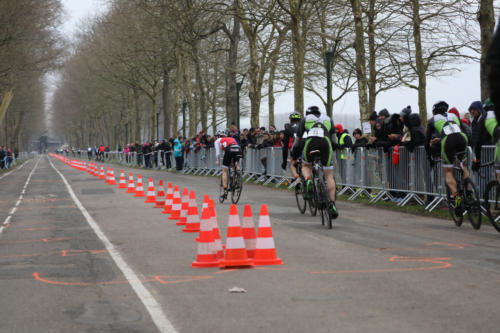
{"x":492,"y":204}
{"x":300,"y":197}
{"x":472,"y":203}
{"x":237,"y":187}
{"x":313,"y":202}
{"x":451,"y":207}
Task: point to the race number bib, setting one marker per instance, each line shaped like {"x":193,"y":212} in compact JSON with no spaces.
{"x":316,"y":131}
{"x":450,"y":129}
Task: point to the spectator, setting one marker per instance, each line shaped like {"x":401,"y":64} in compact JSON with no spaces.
{"x":464,"y":129}
{"x":2,"y":157}
{"x":8,"y":158}
{"x":251,"y":138}
{"x":359,"y":140}
{"x":478,"y":135}
{"x":413,"y":133}
{"x":266,"y":142}
{"x":178,"y":153}
{"x":344,"y":142}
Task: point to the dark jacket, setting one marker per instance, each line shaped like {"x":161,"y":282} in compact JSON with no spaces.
{"x":417,"y":132}
{"x":361,"y":142}
{"x":347,"y":140}
{"x":392,"y":125}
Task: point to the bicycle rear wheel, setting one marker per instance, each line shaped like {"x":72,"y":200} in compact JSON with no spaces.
{"x":451,"y":207}
{"x":313,"y":202}
{"x":492,"y":204}
{"x":323,"y":197}
{"x":472,"y":203}
{"x":237,"y":187}
{"x":300,"y":197}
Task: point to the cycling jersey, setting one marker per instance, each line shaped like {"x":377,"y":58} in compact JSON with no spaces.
{"x":315,"y":133}
{"x":453,"y":140}
{"x":490,"y":125}
{"x":232,"y":152}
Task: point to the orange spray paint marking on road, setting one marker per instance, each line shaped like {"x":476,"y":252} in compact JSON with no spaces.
{"x":45,"y":240}
{"x":439,"y":263}
{"x":71,"y":253}
{"x":37,"y":277}
{"x":40,"y":228}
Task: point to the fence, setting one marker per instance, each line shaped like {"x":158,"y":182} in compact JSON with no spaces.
{"x":360,"y":172}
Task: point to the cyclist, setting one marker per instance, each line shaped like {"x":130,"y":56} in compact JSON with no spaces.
{"x":444,"y":127}
{"x":316,"y":131}
{"x":232,"y":154}
{"x":490,"y":126}
{"x":290,"y":134}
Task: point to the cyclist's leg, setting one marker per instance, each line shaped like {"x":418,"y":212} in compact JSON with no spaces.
{"x":450,"y":180}
{"x":330,"y":183}
{"x":226,"y":162}
{"x":306,"y":164}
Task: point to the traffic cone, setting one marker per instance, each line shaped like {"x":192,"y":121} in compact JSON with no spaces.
{"x":236,"y":253}
{"x":184,"y":207}
{"x":265,"y":251}
{"x":107,"y":176}
{"x":206,"y":256}
{"x":151,"y":192}
{"x":168,"y":200}
{"x":248,"y":229}
{"x":176,"y":205}
{"x":123,"y":183}
{"x":193,"y":219}
{"x":94,"y":170}
{"x":206,"y":199}
{"x":215,"y":229}
{"x":139,"y":191}
{"x":131,"y":186}
{"x":101,"y":175}
{"x":112,"y":180}
{"x":160,"y":196}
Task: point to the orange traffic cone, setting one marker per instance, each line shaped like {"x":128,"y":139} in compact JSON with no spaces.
{"x":107,"y":175}
{"x":265,"y":251}
{"x":248,"y":229}
{"x":151,"y":192}
{"x":206,"y":255}
{"x":206,"y":200}
{"x":139,"y":191}
{"x":193,"y":220}
{"x":160,"y":196}
{"x":131,"y":186}
{"x":123,"y":183}
{"x":184,"y":207}
{"x":112,"y":180}
{"x":94,"y":170}
{"x":215,"y":229}
{"x":168,"y":200}
{"x":236,"y":253}
{"x":176,"y":205}
{"x":101,"y":175}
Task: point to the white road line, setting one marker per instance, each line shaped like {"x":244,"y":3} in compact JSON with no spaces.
{"x":18,"y":202}
{"x":153,"y":307}
{"x":1,"y":230}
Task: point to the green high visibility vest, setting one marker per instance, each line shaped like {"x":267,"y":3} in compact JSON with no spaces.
{"x":341,"y":142}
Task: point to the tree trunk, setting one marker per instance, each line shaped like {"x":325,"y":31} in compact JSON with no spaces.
{"x":177,"y":103}
{"x":232,"y":64}
{"x":372,"y":78}
{"x":359,"y":46}
{"x":203,"y":112}
{"x":137,"y":117}
{"x":165,"y":101}
{"x":298,"y":52}
{"x":188,"y":95}
{"x":486,"y":20}
{"x":214,"y":99}
{"x":419,"y":62}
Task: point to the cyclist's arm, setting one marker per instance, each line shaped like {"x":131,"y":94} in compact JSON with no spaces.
{"x":218,"y":149}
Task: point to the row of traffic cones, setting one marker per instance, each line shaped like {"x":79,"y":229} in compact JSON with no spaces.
{"x":244,"y":247}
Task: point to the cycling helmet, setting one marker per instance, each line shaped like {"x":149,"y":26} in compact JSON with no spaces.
{"x":295,"y":116}
{"x":221,"y":133}
{"x":488,"y":105}
{"x":440,"y":107}
{"x":313,"y":110}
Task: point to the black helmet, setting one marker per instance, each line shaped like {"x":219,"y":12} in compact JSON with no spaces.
{"x":295,"y":116}
{"x":440,"y":107}
{"x":313,"y":110}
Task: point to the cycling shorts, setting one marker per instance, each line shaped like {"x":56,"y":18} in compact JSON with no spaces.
{"x":232,"y":153}
{"x":453,"y":146}
{"x":324,"y":145}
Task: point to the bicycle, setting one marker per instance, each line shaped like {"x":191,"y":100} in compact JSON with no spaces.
{"x":235,"y":183}
{"x":300,"y":189}
{"x":471,"y":202}
{"x":491,"y":200}
{"x":320,"y":199}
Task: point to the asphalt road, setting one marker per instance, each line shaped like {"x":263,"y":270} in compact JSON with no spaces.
{"x":87,"y":257}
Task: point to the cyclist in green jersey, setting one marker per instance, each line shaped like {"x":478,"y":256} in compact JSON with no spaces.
{"x":444,"y":128}
{"x":316,"y":131}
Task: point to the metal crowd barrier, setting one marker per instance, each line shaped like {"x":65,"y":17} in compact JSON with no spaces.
{"x":360,"y":172}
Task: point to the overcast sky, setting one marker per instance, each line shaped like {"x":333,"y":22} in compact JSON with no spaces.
{"x":458,"y":90}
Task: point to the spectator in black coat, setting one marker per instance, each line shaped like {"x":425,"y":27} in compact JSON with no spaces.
{"x":415,"y":134}
{"x":493,"y":59}
{"x":359,"y":140}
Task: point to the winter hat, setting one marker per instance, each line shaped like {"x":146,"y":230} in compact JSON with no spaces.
{"x":373,"y":116}
{"x":384,"y":113}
